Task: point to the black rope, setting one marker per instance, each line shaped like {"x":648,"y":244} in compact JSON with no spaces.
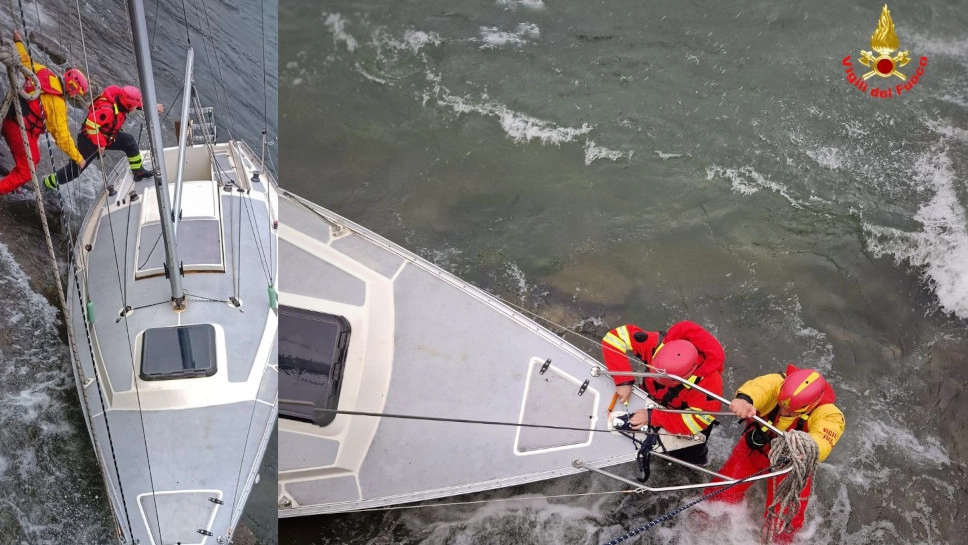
{"x":203,"y":298}
{"x":147,"y":257}
{"x":681,"y":508}
{"x":469,"y":421}
{"x":128,"y":310}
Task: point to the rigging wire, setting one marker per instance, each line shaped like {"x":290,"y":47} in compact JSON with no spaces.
{"x":492,"y":422}
{"x":123,"y":291}
{"x":60,"y":290}
{"x":221,"y":100}
{"x":235,"y":224}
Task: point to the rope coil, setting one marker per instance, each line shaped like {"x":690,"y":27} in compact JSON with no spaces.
{"x":802,"y":452}
{"x":10,"y":57}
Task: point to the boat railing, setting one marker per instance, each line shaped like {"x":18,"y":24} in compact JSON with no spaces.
{"x":597,"y":371}
{"x":641,"y":487}
{"x":724,"y":480}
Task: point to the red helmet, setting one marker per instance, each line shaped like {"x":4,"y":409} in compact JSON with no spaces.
{"x":678,"y":358}
{"x":75,"y":82}
{"x":802,"y":390}
{"x":130,"y":97}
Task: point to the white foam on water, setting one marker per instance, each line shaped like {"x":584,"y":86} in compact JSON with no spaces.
{"x":524,"y":128}
{"x":893,"y":437}
{"x":947,"y":131}
{"x":827,"y":157}
{"x":662,"y":155}
{"x":363,"y":73}
{"x":415,"y":40}
{"x":493,"y":38}
{"x":705,"y":523}
{"x":593,"y":152}
{"x":528,"y":518}
{"x":940,"y":249}
{"x":747,"y":181}
{"x":520,"y":282}
{"x":518,"y":126}
{"x":337,"y":26}
{"x":595,"y":321}
{"x":528,"y":4}
{"x":29,"y":301}
{"x":446,"y":258}
{"x":27,"y":404}
{"x":412,"y":41}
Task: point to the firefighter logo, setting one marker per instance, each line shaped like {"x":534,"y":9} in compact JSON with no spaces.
{"x":884,"y":63}
{"x":884,"y":41}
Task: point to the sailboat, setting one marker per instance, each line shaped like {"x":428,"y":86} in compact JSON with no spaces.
{"x":400,"y":382}
{"x":172,"y":310}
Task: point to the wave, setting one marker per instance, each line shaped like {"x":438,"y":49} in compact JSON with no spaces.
{"x":492,"y":38}
{"x":747,"y":180}
{"x":940,"y":248}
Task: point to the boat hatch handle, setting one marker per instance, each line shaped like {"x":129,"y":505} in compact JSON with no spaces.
{"x":639,"y":487}
{"x":204,"y":532}
{"x":216,"y":501}
{"x":584,"y":386}
{"x":545,"y":366}
{"x":597,"y":371}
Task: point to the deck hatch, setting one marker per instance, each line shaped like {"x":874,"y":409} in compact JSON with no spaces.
{"x":178,"y":352}
{"x":200,"y":241}
{"x":183,"y":514}
{"x":224,"y":170}
{"x":543,"y":403}
{"x":312,"y":352}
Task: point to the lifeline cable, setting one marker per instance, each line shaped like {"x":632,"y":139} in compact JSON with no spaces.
{"x":681,"y":508}
{"x":485,"y":422}
{"x":804,"y":453}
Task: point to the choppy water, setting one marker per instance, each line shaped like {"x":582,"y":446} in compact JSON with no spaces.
{"x":51,"y":490}
{"x":602,"y":162}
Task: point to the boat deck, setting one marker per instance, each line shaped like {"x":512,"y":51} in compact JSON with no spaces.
{"x":169,"y":443}
{"x":425,"y":343}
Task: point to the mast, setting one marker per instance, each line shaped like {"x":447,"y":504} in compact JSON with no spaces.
{"x":143,"y":56}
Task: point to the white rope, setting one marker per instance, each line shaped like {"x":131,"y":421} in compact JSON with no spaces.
{"x":10,"y":58}
{"x":803,"y":453}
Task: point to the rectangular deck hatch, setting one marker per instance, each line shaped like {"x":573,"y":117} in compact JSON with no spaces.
{"x":178,"y":352}
{"x":200,"y":240}
{"x":312,"y":353}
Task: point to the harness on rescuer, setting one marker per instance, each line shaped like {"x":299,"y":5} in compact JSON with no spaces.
{"x":801,"y":392}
